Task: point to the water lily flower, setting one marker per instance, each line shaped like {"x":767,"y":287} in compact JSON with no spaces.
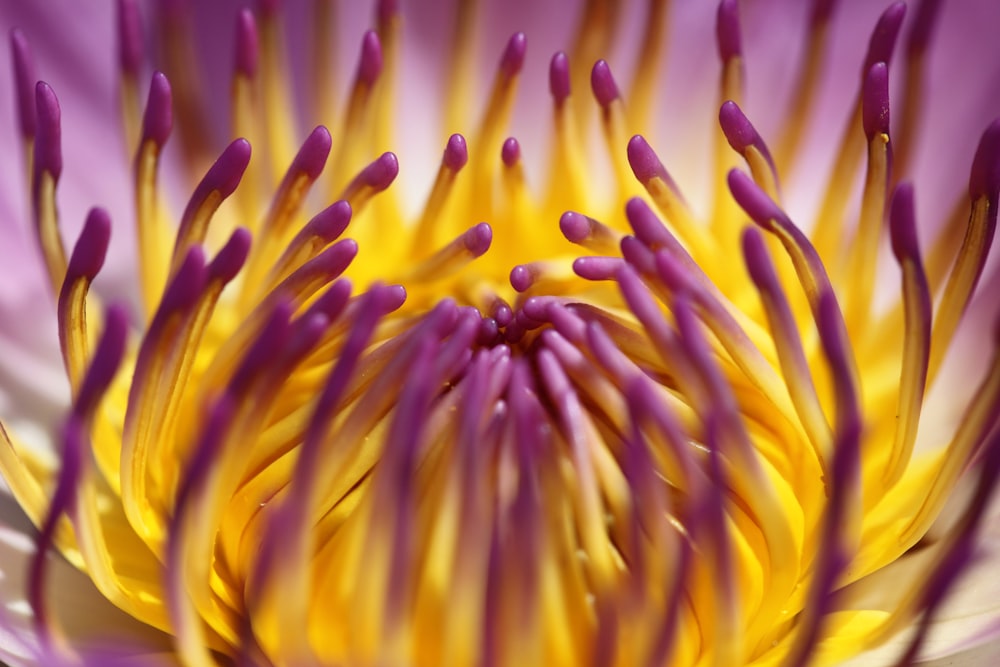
{"x":505,"y":333}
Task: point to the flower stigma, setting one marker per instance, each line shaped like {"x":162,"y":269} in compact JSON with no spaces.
{"x":581,"y":421}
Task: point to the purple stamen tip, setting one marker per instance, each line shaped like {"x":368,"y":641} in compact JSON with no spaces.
{"x":386,"y":10}
{"x":574,"y":226}
{"x":232,"y":256}
{"x":247,"y":44}
{"x":48,"y":150}
{"x":513,"y":55}
{"x":311,"y":157}
{"x":603,"y":84}
{"x":107,"y":358}
{"x":456,"y":153}
{"x":559,"y":77}
{"x":752,"y":199}
{"x":394,"y":297}
{"x":875,"y":101}
{"x":521,"y":277}
{"x":158,"y":119}
{"x":984,"y":180}
{"x":739,"y":131}
{"x":331,"y":222}
{"x":184,"y":289}
{"x":227,"y":172}
{"x":24,"y":80}
{"x":883,"y":40}
{"x":727,"y":30}
{"x":645,"y":165}
{"x":902,"y":223}
{"x":923,"y":25}
{"x":370,"y":65}
{"x":477,"y":239}
{"x":92,"y":246}
{"x":129,"y":37}
{"x":382,"y":172}
{"x":511,"y":152}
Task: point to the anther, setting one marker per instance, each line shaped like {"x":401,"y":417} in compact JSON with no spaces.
{"x":559,"y":79}
{"x":24,"y":83}
{"x":47,"y":169}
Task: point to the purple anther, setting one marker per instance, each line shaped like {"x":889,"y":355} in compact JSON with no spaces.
{"x":757,"y":259}
{"x":91,"y":247}
{"x":923,"y":25}
{"x":875,"y":101}
{"x":513,"y":55}
{"x":984,"y":181}
{"x":536,"y":308}
{"x":334,"y":300}
{"x":260,"y":355}
{"x":740,"y":133}
{"x":903,"y":223}
{"x":489,"y":331}
{"x":456,"y":153}
{"x":231,"y":257}
{"x":752,"y":199}
{"x":883,"y":39}
{"x":370,"y":63}
{"x":477,"y":239}
{"x":331,"y":222}
{"x":48,"y":149}
{"x":381,"y":173}
{"x":638,"y":255}
{"x":522,"y":277}
{"x":559,"y":77}
{"x":603,"y":84}
{"x":226,"y":173}
{"x":394,"y":298}
{"x":386,"y":10}
{"x":129,"y":37}
{"x":673,"y":273}
{"x":158,"y":119}
{"x":334,"y":260}
{"x":645,"y":165}
{"x":648,"y":228}
{"x":511,"y":152}
{"x":107,"y":358}
{"x":727,"y":30}
{"x":185,"y":287}
{"x":576,"y":227}
{"x":24,"y":81}
{"x":598,"y":268}
{"x":247,"y":44}
{"x":821,"y":11}
{"x":313,"y":153}
{"x":501,"y":312}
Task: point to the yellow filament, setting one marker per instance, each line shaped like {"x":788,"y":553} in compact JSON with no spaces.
{"x":461,"y":60}
{"x":48,"y":230}
{"x":805,"y":89}
{"x":726,"y":216}
{"x":323,"y":61}
{"x":482,"y":161}
{"x":275,"y":94}
{"x":692,"y":234}
{"x":613,"y":120}
{"x":566,"y":176}
{"x":591,"y":42}
{"x":153,"y":235}
{"x":646,"y":78}
{"x":131,"y":116}
{"x":193,"y":233}
{"x":246,"y":122}
{"x":960,"y":284}
{"x":432,"y":217}
{"x":864,"y":250}
{"x":74,"y":334}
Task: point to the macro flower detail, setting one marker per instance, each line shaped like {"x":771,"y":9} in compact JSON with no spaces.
{"x":578,"y":396}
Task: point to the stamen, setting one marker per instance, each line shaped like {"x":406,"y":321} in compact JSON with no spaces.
{"x":152,"y":234}
{"x":863,"y":253}
{"x":47,"y":169}
{"x":589,"y":233}
{"x":24,"y":93}
{"x":612,"y":119}
{"x":842,"y":517}
{"x":354,"y":128}
{"x":245,"y":114}
{"x":794,"y":365}
{"x":565,"y":175}
{"x":745,"y":140}
{"x":462,"y":66}
{"x":725,"y":212}
{"x":984,"y":187}
{"x":450,"y":259}
{"x":323,"y":61}
{"x":498,"y":109}
{"x":85,"y":262}
{"x":646,"y":76}
{"x":916,"y":332}
{"x":389,"y":22}
{"x":176,"y":39}
{"x":220,"y":181}
{"x":324,"y":228}
{"x":921,"y":32}
{"x":828,"y":231}
{"x":370,"y":181}
{"x":649,"y":171}
{"x":456,"y":155}
{"x":274,"y":83}
{"x":130,"y":59}
{"x":592,"y":41}
{"x":274,"y":229}
{"x":806,"y":84}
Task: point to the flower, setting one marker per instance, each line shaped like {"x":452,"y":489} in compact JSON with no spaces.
{"x":562,"y":409}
